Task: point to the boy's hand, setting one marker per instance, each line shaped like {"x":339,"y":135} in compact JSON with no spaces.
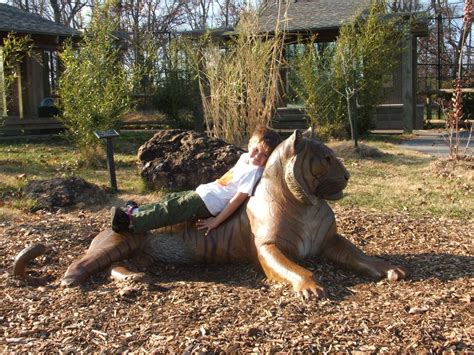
{"x":213,"y":222}
{"x":208,"y":223}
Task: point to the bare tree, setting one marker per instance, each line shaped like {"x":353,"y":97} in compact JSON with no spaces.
{"x":198,"y":13}
{"x":229,"y":11}
{"x":405,"y":5}
{"x":66,"y":12}
{"x":149,"y":25}
{"x":439,"y":52}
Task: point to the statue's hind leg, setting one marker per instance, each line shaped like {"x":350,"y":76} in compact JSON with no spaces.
{"x":106,"y":248}
{"x":343,"y":252}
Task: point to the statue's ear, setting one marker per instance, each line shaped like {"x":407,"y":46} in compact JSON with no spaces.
{"x":309,"y":133}
{"x":297,"y":138}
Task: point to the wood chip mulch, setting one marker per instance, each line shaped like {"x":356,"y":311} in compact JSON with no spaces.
{"x":232,"y":308}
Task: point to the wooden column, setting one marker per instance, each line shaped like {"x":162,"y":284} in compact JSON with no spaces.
{"x":3,"y":89}
{"x":408,"y":82}
{"x":19,"y":81}
{"x":33,"y":79}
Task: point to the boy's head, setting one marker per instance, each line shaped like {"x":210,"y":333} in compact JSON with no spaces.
{"x":261,"y":144}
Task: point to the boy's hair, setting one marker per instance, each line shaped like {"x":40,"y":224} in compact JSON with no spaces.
{"x":267,"y":136}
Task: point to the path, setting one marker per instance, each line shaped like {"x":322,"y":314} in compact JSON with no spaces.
{"x":435,"y":143}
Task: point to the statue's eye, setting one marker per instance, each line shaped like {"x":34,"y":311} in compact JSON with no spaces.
{"x":318,"y":166}
{"x":328,"y":158}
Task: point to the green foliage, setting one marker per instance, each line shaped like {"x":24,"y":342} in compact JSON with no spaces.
{"x":143,"y":67}
{"x":375,"y":42}
{"x":177,"y":94}
{"x":312,"y":83}
{"x":13,"y":50}
{"x":328,"y":78}
{"x":94,"y":89}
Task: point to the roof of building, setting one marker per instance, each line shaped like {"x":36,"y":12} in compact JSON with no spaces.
{"x":13,"y":19}
{"x":311,"y":15}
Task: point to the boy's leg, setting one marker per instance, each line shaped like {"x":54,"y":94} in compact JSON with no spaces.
{"x":174,"y":208}
{"x":164,"y":198}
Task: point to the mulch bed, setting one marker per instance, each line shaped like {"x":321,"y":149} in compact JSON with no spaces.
{"x":232,"y":308}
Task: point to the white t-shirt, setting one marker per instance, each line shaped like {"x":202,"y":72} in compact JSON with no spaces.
{"x":241,"y":178}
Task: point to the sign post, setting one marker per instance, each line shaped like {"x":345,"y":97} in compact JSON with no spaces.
{"x":108,"y":135}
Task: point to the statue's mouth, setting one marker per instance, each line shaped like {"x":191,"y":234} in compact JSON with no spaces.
{"x":334,"y":197}
{"x":331,"y":191}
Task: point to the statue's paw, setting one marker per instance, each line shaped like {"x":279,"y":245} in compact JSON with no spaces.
{"x":380,"y":269}
{"x":308,"y":289}
{"x":75,"y":275}
{"x":397,"y":273}
{"x":69,"y":281}
{"x":121,"y":273}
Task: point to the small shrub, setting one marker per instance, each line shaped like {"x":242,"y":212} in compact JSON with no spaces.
{"x":13,"y":50}
{"x":94,"y":89}
{"x":312,"y":84}
{"x":330,"y":78}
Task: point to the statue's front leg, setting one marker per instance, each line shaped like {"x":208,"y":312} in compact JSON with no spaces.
{"x":106,"y":248}
{"x":280,"y":268}
{"x":341,"y":251}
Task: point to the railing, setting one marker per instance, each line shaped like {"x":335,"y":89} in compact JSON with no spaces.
{"x":286,"y":120}
{"x":12,"y":125}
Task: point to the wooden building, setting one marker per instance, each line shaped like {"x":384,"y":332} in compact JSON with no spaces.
{"x":37,"y":81}
{"x":324,"y":18}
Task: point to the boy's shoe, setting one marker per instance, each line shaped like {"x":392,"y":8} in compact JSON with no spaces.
{"x":120,"y":220}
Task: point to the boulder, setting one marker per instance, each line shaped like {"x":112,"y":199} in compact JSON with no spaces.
{"x":180,"y":159}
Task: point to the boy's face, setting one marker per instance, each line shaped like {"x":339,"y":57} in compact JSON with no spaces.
{"x":258,"y":154}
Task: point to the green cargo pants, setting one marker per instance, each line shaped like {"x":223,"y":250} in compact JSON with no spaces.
{"x":173,"y":208}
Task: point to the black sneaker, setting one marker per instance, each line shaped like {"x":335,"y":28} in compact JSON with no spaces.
{"x":120,"y":220}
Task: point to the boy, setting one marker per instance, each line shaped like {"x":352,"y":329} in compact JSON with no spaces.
{"x":212,"y":203}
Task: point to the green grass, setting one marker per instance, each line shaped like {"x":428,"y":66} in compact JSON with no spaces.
{"x":387,"y":138}
{"x":404,"y":181}
{"x":384,"y":177}
{"x":46,"y":158}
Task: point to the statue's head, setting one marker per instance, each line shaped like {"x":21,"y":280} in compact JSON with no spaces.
{"x":311,"y":170}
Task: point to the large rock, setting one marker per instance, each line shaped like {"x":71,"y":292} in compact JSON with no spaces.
{"x":64,"y":192}
{"x":179,"y":159}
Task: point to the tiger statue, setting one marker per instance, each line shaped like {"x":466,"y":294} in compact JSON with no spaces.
{"x":286,"y":219}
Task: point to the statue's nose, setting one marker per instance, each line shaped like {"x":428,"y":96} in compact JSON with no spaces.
{"x":347,"y":175}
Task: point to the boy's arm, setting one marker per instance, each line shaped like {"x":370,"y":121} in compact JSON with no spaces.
{"x":213,"y":222}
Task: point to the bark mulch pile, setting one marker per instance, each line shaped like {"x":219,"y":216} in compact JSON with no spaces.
{"x":64,"y":192}
{"x":232,"y":308}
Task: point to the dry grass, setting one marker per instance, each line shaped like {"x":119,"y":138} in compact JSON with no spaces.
{"x":454,"y":169}
{"x":346,"y":150}
{"x":144,"y":116}
{"x":239,"y":83}
{"x":386,"y":177}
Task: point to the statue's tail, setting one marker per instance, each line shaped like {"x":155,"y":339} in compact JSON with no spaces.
{"x":106,"y":248}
